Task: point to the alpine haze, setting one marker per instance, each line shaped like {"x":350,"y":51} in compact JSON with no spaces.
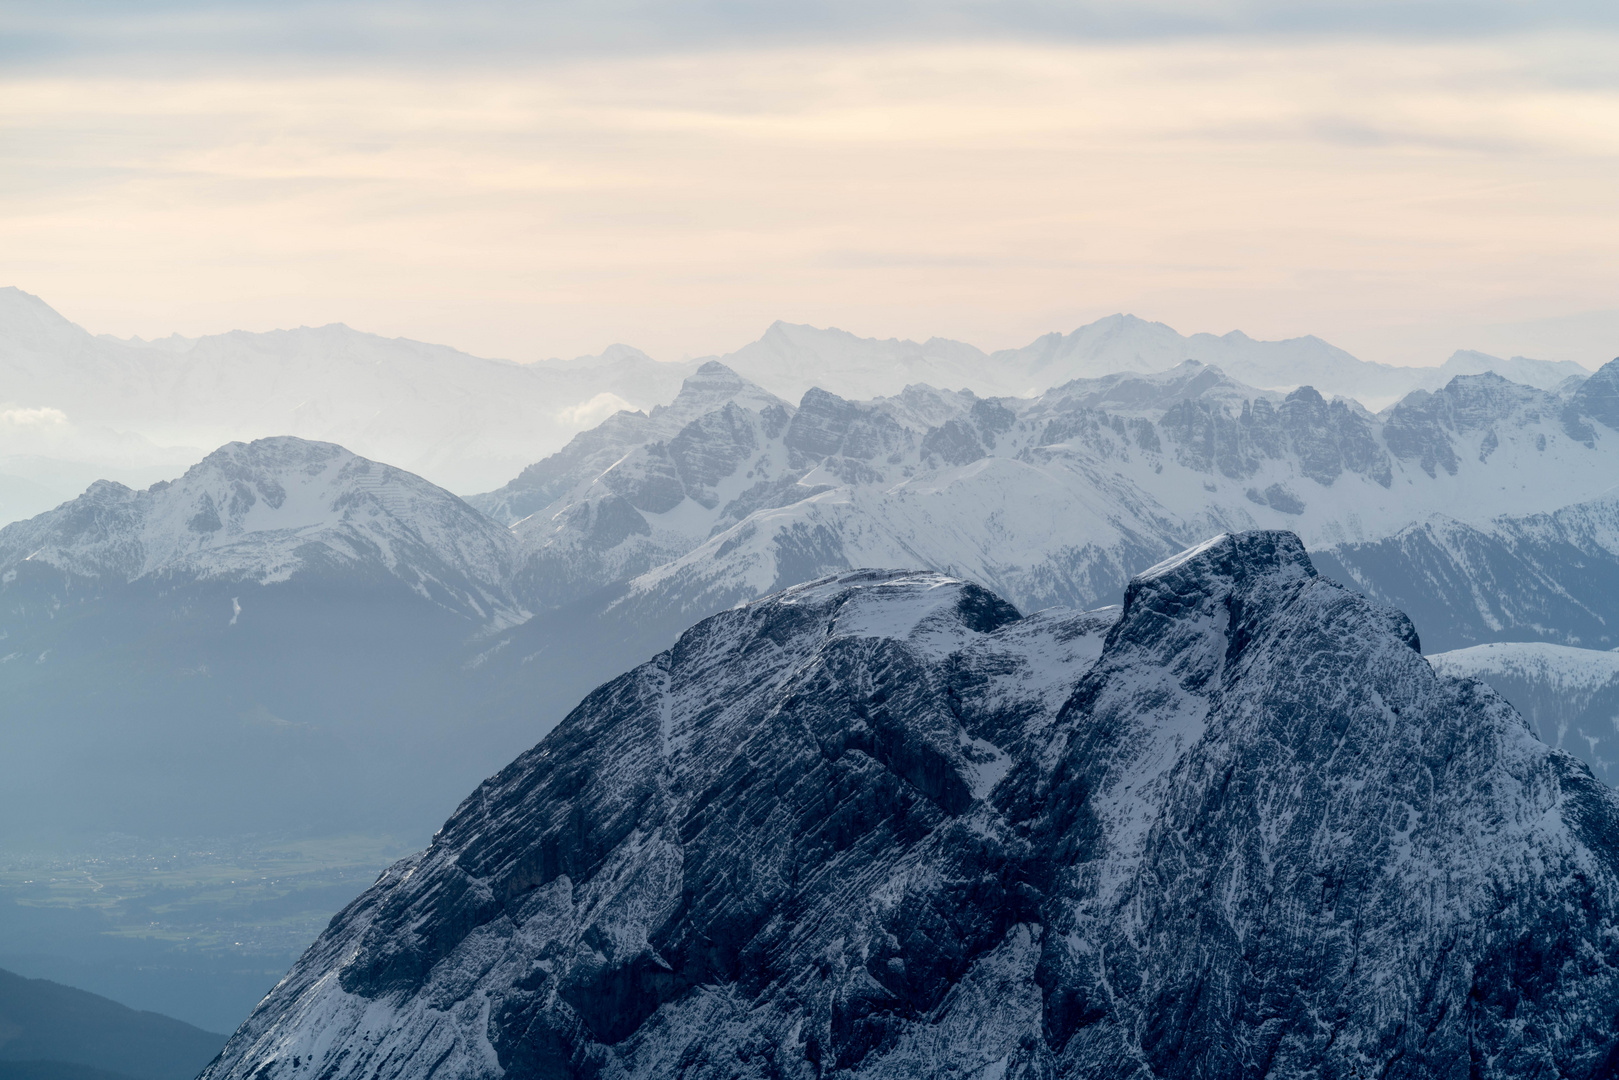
{"x":79,"y":407}
{"x":292,"y":639}
{"x":157,"y":625}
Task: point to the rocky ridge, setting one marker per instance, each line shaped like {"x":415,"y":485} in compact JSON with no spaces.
{"x":730,"y":493}
{"x":879,"y":825}
{"x":1550,"y":577}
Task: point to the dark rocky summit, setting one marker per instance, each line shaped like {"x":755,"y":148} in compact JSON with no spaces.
{"x":879,"y":825}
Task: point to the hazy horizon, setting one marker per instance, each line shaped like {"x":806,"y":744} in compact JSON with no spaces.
{"x":745,"y":338}
{"x":1400,"y":180}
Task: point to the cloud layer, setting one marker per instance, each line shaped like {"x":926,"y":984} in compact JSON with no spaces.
{"x":1399,"y":192}
{"x":206,"y":32}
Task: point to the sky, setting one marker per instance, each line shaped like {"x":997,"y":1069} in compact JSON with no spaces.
{"x":544,"y":179}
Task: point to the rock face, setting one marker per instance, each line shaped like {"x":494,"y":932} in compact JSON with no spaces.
{"x":879,"y":825}
{"x":1534,"y":577}
{"x":1569,"y":696}
{"x":709,"y":399}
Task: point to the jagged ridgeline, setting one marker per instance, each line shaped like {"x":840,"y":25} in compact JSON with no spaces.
{"x":293,"y":637}
{"x":880,"y":825}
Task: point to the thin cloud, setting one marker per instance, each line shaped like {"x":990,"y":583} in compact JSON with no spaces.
{"x":683,"y":201}
{"x":484,"y":32}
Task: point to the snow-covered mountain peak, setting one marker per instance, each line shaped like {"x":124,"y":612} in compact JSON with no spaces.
{"x":465,"y":421}
{"x":930,"y":610}
{"x":1129,"y":344}
{"x":784,"y":336}
{"x":1153,"y":392}
{"x":272,"y":509}
{"x":790,"y":359}
{"x":616,"y":353}
{"x":1168,"y":567}
{"x":640,"y":449}
{"x":1126,"y":343}
{"x":709,"y":388}
{"x":1238,"y":580}
{"x":1541,"y":374}
{"x":30,"y":327}
{"x":1472,"y":399}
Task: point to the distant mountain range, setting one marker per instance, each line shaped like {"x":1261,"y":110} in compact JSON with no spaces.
{"x":295,"y":638}
{"x":54,"y":1032}
{"x":75,"y":407}
{"x":291,"y":636}
{"x":1529,"y":574}
{"x":789,"y":360}
{"x":1049,"y":500}
{"x":69,"y":396}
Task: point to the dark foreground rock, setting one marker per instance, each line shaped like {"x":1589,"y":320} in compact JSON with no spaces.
{"x":881,"y":826}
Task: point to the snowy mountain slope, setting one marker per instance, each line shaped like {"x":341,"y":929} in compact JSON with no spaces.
{"x":1051,"y":500}
{"x":464,"y":421}
{"x":1126,"y":343}
{"x":263,"y":512}
{"x":849,"y":830}
{"x":1538,"y":577}
{"x":1541,"y":374}
{"x":273,"y":642}
{"x":592,"y":452}
{"x":1570,"y":696}
{"x":1594,"y":399}
{"x":1551,"y":575}
{"x":791,"y":359}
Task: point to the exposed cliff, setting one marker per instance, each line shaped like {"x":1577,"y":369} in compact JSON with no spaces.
{"x":881,"y":826}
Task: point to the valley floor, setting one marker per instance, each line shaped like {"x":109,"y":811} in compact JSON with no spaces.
{"x":199,"y":930}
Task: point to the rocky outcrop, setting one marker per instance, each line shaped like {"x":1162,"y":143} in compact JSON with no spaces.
{"x":881,"y":826}
{"x":1326,"y":439}
{"x":1596,"y":398}
{"x":828,"y":426}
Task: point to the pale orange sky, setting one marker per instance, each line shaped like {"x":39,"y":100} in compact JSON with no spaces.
{"x":1399,"y":198}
